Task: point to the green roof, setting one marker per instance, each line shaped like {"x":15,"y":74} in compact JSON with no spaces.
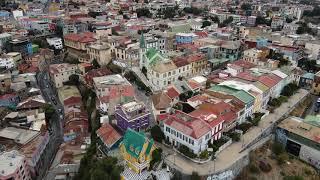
{"x":134,"y":141}
{"x":244,"y":96}
{"x":223,"y":88}
{"x":153,"y":55}
{"x":240,"y":94}
{"x":313,"y":120}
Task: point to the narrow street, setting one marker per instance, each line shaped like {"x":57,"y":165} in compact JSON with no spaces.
{"x":49,"y":93}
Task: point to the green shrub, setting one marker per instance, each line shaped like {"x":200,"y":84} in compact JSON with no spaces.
{"x":293,"y":178}
{"x":277,"y":148}
{"x":186,"y":151}
{"x":282,"y":158}
{"x":204,"y":155}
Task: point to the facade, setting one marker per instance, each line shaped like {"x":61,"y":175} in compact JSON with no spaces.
{"x":185,"y":38}
{"x":100,"y":52}
{"x":23,"y":46}
{"x":136,"y":150}
{"x":55,"y":42}
{"x":60,"y":73}
{"x":13,"y":166}
{"x":300,"y":139}
{"x":133,"y":115}
{"x":183,"y":129}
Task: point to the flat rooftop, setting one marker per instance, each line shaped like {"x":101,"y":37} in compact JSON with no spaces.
{"x":297,"y":126}
{"x":19,"y":135}
{"x":9,"y":162}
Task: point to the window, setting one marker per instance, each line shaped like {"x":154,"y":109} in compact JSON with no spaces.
{"x":207,"y":136}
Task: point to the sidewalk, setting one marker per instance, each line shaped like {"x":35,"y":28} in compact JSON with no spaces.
{"x":232,"y":153}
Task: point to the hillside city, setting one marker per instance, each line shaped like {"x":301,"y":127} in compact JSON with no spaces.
{"x":160,"y":90}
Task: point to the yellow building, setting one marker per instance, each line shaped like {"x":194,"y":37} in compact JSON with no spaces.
{"x":136,"y":150}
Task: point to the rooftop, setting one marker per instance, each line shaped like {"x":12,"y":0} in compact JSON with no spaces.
{"x":20,"y":136}
{"x":115,"y":79}
{"x":132,"y":106}
{"x":9,"y":162}
{"x":108,"y":135}
{"x":296,"y":126}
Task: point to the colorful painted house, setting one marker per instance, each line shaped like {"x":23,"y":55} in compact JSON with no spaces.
{"x":132,"y":115}
{"x":136,"y":150}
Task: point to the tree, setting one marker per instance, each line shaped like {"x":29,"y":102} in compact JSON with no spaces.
{"x":143,"y":12}
{"x":277,"y":148}
{"x":156,"y":156}
{"x":95,"y":64}
{"x":205,"y":24}
{"x":74,"y":79}
{"x":293,"y":178}
{"x":289,"y":20}
{"x":262,"y":21}
{"x":49,"y":111}
{"x":114,"y":32}
{"x":215,"y":19}
{"x":157,"y":133}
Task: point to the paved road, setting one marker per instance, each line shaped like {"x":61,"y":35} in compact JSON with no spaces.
{"x":232,"y":153}
{"x":55,"y":123}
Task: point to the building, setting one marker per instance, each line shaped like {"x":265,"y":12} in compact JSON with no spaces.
{"x":277,"y":22}
{"x":77,"y":44}
{"x":109,"y":138}
{"x":13,"y":166}
{"x":183,"y":129}
{"x":185,"y":38}
{"x":56,"y":42}
{"x":112,"y":90}
{"x":23,"y":46}
{"x":313,"y":49}
{"x":132,"y":115}
{"x":60,"y":73}
{"x":161,"y":105}
{"x":301,"y":139}
{"x":101,"y":52}
{"x":5,"y":82}
{"x":316,"y":84}
{"x":136,"y":150}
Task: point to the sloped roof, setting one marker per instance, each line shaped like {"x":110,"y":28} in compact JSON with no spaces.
{"x":108,"y":135}
{"x":240,"y":94}
{"x":161,"y":100}
{"x":133,"y":141}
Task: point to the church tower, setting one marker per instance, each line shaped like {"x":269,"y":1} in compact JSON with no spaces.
{"x":142,"y":50}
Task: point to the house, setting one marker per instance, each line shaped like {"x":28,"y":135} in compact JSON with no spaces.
{"x":316,"y":84}
{"x":88,"y":77}
{"x":306,"y":80}
{"x":112,"y":90}
{"x":301,"y":139}
{"x":101,"y":52}
{"x":33,"y":102}
{"x":136,"y":150}
{"x":70,"y":97}
{"x":199,"y":63}
{"x":60,"y":73}
{"x":183,"y":129}
{"x":109,"y":138}
{"x":5,"y":82}
{"x":161,"y":105}
{"x":313,"y":49}
{"x":185,"y":38}
{"x":14,"y":166}
{"x":55,"y":42}
{"x":133,"y":115}
{"x":219,"y":116}
{"x":247,"y":99}
{"x":23,"y":46}
{"x":77,"y":44}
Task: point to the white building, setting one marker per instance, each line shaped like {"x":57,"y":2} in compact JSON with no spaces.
{"x":183,"y":129}
{"x":60,"y":73}
{"x":13,"y":166}
{"x":313,"y":49}
{"x":7,"y":62}
{"x":56,"y":42}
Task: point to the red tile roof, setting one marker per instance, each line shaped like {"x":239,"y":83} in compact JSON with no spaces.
{"x":187,"y":124}
{"x":85,"y":37}
{"x":268,"y":81}
{"x":244,"y":64}
{"x":201,"y":34}
{"x":108,"y":135}
{"x":247,"y":76}
{"x":71,"y":101}
{"x":195,"y":57}
{"x":193,"y":84}
{"x":180,"y":61}
{"x":172,"y":93}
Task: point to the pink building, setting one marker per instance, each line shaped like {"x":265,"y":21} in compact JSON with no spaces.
{"x":13,"y":166}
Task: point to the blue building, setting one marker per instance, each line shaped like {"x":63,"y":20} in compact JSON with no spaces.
{"x":185,"y":38}
{"x":4,"y":15}
{"x":23,"y":46}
